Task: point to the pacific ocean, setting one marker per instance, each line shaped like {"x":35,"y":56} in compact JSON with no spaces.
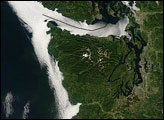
{"x":21,"y":73}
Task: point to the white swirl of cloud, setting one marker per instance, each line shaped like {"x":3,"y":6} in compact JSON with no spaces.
{"x":8,"y":108}
{"x":26,"y":110}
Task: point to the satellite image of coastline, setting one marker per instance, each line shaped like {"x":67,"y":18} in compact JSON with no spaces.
{"x":82,"y":60}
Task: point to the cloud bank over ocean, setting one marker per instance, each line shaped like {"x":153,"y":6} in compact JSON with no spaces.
{"x":31,"y":15}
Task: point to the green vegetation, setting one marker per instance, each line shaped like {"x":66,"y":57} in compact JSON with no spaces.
{"x":89,"y":10}
{"x":149,"y":103}
{"x":150,"y":6}
{"x":86,"y":78}
{"x":87,"y":63}
{"x":77,"y":10}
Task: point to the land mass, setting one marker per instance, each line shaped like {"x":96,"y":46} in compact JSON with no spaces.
{"x":111,"y":77}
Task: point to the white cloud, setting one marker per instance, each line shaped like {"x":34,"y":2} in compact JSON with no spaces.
{"x":26,"y":110}
{"x":8,"y":104}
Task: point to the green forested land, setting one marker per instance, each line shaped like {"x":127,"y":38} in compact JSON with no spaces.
{"x":88,"y":10}
{"x":152,"y":29}
{"x":86,"y":78}
{"x":77,"y":10}
{"x":146,"y":101}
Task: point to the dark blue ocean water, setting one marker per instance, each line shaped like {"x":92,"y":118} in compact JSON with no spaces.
{"x":20,"y":71}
